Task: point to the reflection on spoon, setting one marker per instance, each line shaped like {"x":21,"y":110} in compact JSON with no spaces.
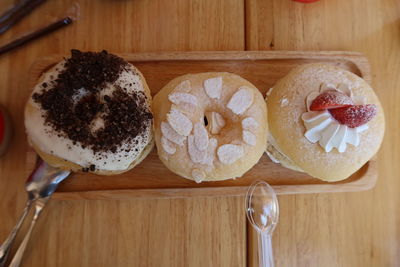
{"x":262,"y":211}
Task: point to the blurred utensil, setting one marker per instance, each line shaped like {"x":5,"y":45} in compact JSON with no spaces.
{"x":262,"y":211}
{"x":17,"y":12}
{"x":36,"y":34}
{"x":40,"y":185}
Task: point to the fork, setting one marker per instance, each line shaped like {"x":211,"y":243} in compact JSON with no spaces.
{"x":40,"y":185}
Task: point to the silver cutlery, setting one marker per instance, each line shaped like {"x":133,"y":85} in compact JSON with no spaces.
{"x":40,"y":185}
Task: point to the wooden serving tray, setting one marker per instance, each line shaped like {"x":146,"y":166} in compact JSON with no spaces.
{"x":263,"y":69}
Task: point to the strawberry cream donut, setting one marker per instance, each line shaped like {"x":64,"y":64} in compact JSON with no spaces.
{"x":210,"y":126}
{"x":324,"y":121}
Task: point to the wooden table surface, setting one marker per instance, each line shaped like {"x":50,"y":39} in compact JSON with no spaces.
{"x":343,"y":229}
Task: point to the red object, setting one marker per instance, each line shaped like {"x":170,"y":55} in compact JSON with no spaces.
{"x":306,"y":1}
{"x":331,"y":99}
{"x":354,"y":116}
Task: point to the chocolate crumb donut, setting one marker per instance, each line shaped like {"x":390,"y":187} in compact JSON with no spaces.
{"x":91,"y":113}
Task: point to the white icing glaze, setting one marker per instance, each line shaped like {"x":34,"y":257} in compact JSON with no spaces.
{"x":48,"y":141}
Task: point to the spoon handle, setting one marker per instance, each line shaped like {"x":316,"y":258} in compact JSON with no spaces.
{"x":265,"y":256}
{"x":6,"y":246}
{"x":39,"y":205}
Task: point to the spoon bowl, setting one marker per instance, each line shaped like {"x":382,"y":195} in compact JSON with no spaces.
{"x":262,"y":211}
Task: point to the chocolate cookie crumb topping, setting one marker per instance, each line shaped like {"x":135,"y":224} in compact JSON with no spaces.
{"x":125,"y":115}
{"x":92,"y":167}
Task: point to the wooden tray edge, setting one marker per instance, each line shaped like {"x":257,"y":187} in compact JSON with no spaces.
{"x":358,"y":58}
{"x":367,"y":182}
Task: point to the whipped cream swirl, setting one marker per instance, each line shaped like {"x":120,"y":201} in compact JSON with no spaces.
{"x":321,"y":127}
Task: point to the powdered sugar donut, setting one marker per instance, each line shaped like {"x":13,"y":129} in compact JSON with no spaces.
{"x":210,"y":126}
{"x":325,"y":121}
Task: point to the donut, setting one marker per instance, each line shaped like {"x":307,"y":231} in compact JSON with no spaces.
{"x":210,"y":126}
{"x":91,"y":113}
{"x":324,"y":121}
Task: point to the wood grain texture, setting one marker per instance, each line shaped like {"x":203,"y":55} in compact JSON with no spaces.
{"x":343,"y":229}
{"x":152,"y":179}
{"x":147,"y":232}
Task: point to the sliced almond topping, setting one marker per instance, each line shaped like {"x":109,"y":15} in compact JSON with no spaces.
{"x":168,"y":146}
{"x":196,"y":155}
{"x":249,"y":123}
{"x":249,"y":138}
{"x":212,"y":145}
{"x":215,"y":122}
{"x":241,"y":100}
{"x":185,"y":109}
{"x":171,"y":135}
{"x":327,"y":86}
{"x":213,"y":87}
{"x":183,"y":87}
{"x":229,"y":153}
{"x":198,"y":175}
{"x":178,"y":98}
{"x":179,"y":122}
{"x":344,"y":88}
{"x":284,"y":102}
{"x":200,"y":136}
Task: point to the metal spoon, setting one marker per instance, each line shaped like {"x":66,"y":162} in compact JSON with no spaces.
{"x":40,"y":185}
{"x":262,"y":211}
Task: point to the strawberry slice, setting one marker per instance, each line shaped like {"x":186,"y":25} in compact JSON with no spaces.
{"x":354,"y":116}
{"x":331,"y":99}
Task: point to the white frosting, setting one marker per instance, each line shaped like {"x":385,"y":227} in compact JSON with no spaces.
{"x":321,"y":127}
{"x":49,"y":141}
